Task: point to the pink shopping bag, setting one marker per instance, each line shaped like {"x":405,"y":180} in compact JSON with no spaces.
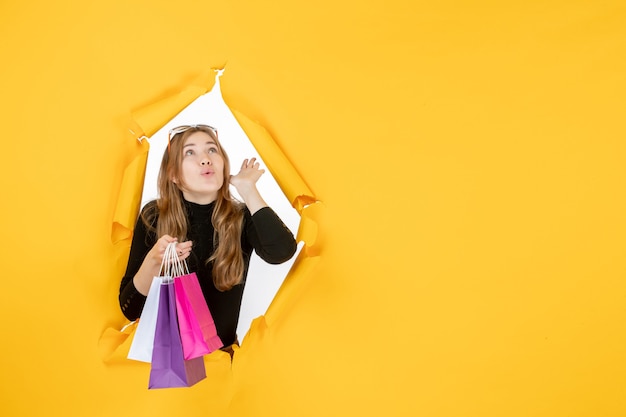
{"x":197,"y":328}
{"x":191,"y":336}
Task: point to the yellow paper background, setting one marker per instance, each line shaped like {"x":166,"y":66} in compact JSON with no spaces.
{"x":469,"y":162}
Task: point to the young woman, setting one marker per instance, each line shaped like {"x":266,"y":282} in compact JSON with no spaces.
{"x":215,"y":233}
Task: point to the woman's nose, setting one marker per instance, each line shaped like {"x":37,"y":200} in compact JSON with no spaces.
{"x":206,"y":161}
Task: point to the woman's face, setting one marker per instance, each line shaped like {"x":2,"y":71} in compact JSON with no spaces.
{"x":202,"y":169}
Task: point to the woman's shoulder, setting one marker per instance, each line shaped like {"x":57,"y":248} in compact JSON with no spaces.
{"x":150,"y":204}
{"x":150,"y":213}
{"x":151,"y":207}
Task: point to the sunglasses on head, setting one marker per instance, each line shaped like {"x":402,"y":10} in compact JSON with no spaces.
{"x":181,"y":129}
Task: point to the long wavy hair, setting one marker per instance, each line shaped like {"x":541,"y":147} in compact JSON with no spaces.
{"x":227,"y":218}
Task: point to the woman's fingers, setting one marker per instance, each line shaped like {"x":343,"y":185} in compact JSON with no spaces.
{"x":248,"y":175}
{"x":159,"y":247}
{"x":183,"y":250}
{"x":250,"y":163}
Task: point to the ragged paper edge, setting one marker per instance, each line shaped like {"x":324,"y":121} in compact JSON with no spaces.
{"x":129,"y":196}
{"x":292,"y":289}
{"x":145,"y":122}
{"x":114,"y":344}
{"x":286,"y":175}
{"x":298,"y":277}
{"x":311,"y":212}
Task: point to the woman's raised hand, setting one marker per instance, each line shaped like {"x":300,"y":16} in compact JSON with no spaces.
{"x":248,"y":175}
{"x":245,"y":183}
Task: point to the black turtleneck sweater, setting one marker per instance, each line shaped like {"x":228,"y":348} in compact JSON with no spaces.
{"x":262,"y":232}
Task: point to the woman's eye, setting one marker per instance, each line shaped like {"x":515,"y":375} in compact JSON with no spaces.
{"x":212,"y":150}
{"x":188,"y":152}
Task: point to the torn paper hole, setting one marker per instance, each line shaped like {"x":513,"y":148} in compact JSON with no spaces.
{"x":263,"y":280}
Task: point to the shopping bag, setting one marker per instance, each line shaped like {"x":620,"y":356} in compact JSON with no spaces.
{"x":169,"y":368}
{"x":143,"y":341}
{"x":197,"y":328}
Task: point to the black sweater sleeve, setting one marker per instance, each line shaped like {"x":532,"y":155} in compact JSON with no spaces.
{"x":268,"y":235}
{"x":131,"y":300}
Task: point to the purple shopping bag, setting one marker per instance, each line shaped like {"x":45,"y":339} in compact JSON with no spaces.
{"x":169,"y":368}
{"x":189,"y":291}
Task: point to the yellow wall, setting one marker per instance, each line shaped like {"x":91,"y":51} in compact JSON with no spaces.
{"x":470,"y":158}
